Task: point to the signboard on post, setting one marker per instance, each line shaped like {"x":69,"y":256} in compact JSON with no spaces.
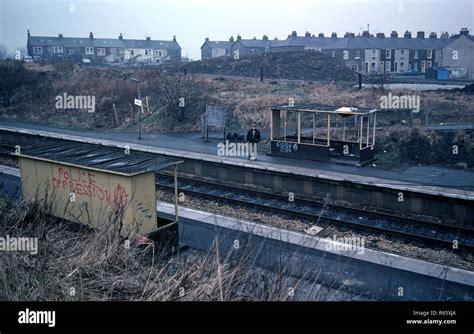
{"x":215,"y":116}
{"x":138,"y":102}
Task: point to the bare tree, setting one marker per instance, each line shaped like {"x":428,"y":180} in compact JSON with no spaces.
{"x":3,"y":52}
{"x":12,"y":76}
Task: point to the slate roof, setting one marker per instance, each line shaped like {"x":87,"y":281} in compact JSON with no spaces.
{"x":101,"y":42}
{"x":219,"y":44}
{"x":360,"y":42}
{"x":257,"y":43}
{"x":314,"y":42}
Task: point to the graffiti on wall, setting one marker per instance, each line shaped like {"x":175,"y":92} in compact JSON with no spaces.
{"x":83,"y":183}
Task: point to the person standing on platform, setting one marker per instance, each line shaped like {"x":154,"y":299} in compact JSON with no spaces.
{"x":253,"y":138}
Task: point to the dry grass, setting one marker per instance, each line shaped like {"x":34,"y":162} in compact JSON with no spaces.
{"x":96,"y":265}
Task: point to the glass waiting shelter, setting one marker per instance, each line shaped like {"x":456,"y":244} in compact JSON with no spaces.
{"x":326,"y":133}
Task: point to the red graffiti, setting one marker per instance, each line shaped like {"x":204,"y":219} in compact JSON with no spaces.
{"x":120,"y":197}
{"x":84,"y":184}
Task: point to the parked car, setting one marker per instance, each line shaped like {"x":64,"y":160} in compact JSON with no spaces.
{"x":28,"y":59}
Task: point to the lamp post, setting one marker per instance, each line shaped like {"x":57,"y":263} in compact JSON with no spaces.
{"x":139,"y":112}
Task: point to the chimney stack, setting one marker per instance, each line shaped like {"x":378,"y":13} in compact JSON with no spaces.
{"x":433,"y":35}
{"x":265,"y":37}
{"x":394,"y":34}
{"x":60,"y":35}
{"x":28,"y":33}
{"x":307,"y":34}
{"x":407,"y":34}
{"x":239,"y":37}
{"x":321,"y":35}
{"x":148,"y":38}
{"x":121,"y":37}
{"x":444,"y":35}
{"x":231,"y":39}
{"x":365,"y":34}
{"x":174,"y":38}
{"x":294,"y":34}
{"x":349,"y":35}
{"x":464,"y":32}
{"x":380,"y":35}
{"x":420,"y":34}
{"x":91,"y":35}
{"x":334,"y":35}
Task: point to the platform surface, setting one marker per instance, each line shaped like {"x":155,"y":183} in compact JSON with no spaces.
{"x":427,"y":179}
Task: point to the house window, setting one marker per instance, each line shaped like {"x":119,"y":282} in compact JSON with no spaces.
{"x":415,"y":66}
{"x":70,"y":51}
{"x":334,"y":53}
{"x":423,"y":66}
{"x":374,"y":53}
{"x":372,"y":66}
{"x":355,"y":68}
{"x":402,"y":54}
{"x":89,"y":51}
{"x":402,"y":66}
{"x":416,"y":54}
{"x":388,"y":54}
{"x":37,"y":50}
{"x":388,"y":66}
{"x":158,"y":61}
{"x":428,"y":64}
{"x":148,"y":52}
{"x":159,"y":53}
{"x":57,"y":49}
{"x":101,"y":51}
{"x":429,"y":54}
{"x":357,"y":55}
{"x":396,"y":67}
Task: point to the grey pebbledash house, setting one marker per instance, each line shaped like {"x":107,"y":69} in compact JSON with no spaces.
{"x":214,"y":49}
{"x":102,"y":50}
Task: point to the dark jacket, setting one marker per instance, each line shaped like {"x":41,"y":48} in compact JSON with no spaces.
{"x":253,"y":138}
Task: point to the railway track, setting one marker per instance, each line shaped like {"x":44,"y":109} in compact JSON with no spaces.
{"x":433,"y":233}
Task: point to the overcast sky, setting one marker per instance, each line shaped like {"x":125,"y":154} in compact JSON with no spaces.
{"x":192,"y":21}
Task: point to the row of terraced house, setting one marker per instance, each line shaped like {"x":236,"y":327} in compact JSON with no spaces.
{"x":365,"y":53}
{"x":102,"y":50}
